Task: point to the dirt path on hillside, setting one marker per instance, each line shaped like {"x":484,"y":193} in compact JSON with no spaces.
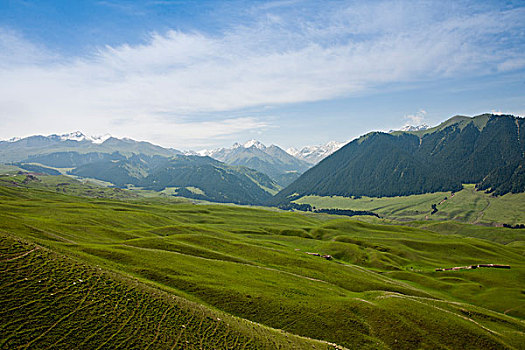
{"x":21,"y":255}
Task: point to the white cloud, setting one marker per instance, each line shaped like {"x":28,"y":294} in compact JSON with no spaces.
{"x":415,"y":119}
{"x":512,"y":64}
{"x":16,"y":52}
{"x":275,"y":61}
{"x":193,"y":133}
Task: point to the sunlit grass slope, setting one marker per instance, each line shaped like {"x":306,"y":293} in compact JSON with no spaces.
{"x":467,"y":205}
{"x":51,"y":301}
{"x":380,"y":290}
{"x":62,"y":184}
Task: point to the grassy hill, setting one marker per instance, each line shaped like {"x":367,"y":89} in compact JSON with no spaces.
{"x":380,"y":290}
{"x":467,"y":205}
{"x":62,"y":184}
{"x":52,"y":301}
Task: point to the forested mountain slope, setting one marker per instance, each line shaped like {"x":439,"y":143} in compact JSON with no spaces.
{"x":487,"y":149}
{"x":192,"y":176}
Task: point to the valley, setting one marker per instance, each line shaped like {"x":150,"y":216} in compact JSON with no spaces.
{"x":262,"y":175}
{"x":379,"y":290}
{"x":116,"y":243}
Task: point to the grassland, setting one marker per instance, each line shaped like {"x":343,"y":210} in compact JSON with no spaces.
{"x":468,"y":205}
{"x":51,"y":301}
{"x":63,"y":184}
{"x":380,"y":289}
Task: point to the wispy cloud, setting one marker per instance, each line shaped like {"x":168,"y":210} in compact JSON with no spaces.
{"x":279,"y":59}
{"x":415,"y":119}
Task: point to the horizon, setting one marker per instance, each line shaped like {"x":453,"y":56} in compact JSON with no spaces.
{"x":205,"y":75}
{"x":244,"y":142}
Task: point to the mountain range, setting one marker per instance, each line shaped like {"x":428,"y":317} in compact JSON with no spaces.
{"x":189,"y":176}
{"x":488,"y":150}
{"x":18,"y":149}
{"x":272,"y":160}
{"x":314,"y":154}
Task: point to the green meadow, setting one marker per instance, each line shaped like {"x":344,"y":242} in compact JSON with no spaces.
{"x":158,"y":273}
{"x":467,"y":205}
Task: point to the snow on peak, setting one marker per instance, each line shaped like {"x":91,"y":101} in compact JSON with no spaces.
{"x":73,"y":136}
{"x":254,"y":143}
{"x":205,"y":152}
{"x":79,"y":136}
{"x":314,"y":154}
{"x":415,"y":128}
{"x":293,"y":151}
{"x":99,"y":139}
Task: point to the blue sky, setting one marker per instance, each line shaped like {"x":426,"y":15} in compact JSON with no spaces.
{"x":203,"y":74}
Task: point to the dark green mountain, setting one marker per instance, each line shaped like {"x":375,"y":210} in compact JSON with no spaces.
{"x":193,"y":176}
{"x":509,"y":178}
{"x":487,"y":150}
{"x":72,"y":159}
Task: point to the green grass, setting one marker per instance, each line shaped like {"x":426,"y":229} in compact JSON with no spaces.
{"x":379,"y":291}
{"x":51,"y":301}
{"x":84,"y":188}
{"x":62,"y":171}
{"x":468,"y":205}
{"x":496,"y":234}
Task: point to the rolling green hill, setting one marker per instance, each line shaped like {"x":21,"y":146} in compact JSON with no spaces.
{"x":467,"y":205}
{"x":487,"y":149}
{"x":64,"y":185}
{"x":52,"y":301}
{"x":380,"y":290}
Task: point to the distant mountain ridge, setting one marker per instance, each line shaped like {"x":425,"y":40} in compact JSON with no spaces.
{"x":190,"y":176}
{"x":18,"y":149}
{"x":272,"y":160}
{"x":314,"y":154}
{"x":73,"y":136}
{"x":124,"y":162}
{"x":408,"y":128}
{"x":487,"y":149}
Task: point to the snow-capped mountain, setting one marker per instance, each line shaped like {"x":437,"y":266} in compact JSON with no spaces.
{"x":218,"y":153}
{"x":415,"y":128}
{"x":314,"y":154}
{"x":254,"y":143}
{"x":271,"y":160}
{"x":411,"y":128}
{"x":72,"y":136}
{"x":19,"y":149}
